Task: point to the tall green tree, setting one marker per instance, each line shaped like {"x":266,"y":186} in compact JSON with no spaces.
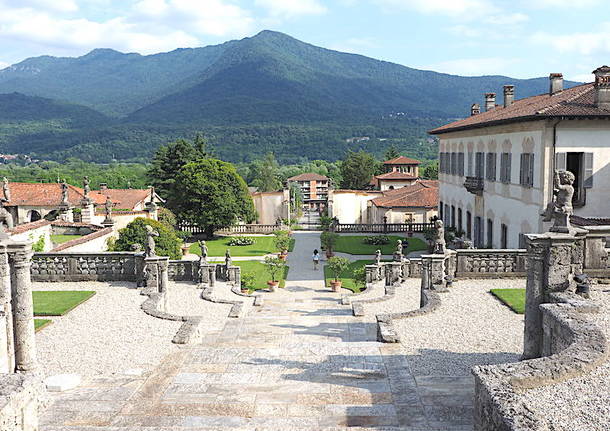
{"x":391,"y":153}
{"x":211,"y":194}
{"x":266,"y":176}
{"x":357,"y":170}
{"x":167,"y":162}
{"x":431,"y":171}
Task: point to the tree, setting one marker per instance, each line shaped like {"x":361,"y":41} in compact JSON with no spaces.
{"x":431,"y":171}
{"x":168,"y":160}
{"x":211,"y":194}
{"x":391,"y":153}
{"x":266,"y":177}
{"x":166,"y":244}
{"x":357,"y":170}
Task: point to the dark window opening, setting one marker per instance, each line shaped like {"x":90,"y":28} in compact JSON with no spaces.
{"x":504,"y":236}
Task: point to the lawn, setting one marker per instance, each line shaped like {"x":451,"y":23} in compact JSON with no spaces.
{"x":354,"y":244}
{"x":60,"y":239}
{"x":58,"y":303}
{"x":216,"y":247}
{"x":514,"y":298}
{"x":41,"y":323}
{"x":259,"y":271}
{"x":346,"y":276}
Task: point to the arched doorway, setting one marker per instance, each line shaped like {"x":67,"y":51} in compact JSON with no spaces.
{"x":34,"y":215}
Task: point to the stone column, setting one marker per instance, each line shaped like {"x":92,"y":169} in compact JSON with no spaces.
{"x":425,"y":273}
{"x":163,"y":274}
{"x":23,"y":308}
{"x":7,"y":353}
{"x":371,"y":273}
{"x":65,"y":213}
{"x":553,"y":259}
{"x":436,"y":271}
{"x":392,"y":273}
{"x":212,"y":275}
{"x":87,"y":211}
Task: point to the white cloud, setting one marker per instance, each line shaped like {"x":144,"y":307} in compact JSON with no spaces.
{"x":561,"y":3}
{"x":445,"y":7}
{"x":585,"y":43}
{"x":292,"y":8}
{"x":3,"y":65}
{"x":474,"y":66}
{"x":52,"y":5}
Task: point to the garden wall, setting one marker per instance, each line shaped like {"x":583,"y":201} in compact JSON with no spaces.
{"x":81,"y":266}
{"x":93,"y":242}
{"x":32,"y":232}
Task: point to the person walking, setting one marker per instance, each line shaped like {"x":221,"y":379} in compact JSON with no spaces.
{"x":316,"y":259}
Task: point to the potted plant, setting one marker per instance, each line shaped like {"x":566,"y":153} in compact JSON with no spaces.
{"x":337,"y":265}
{"x":248,"y":282}
{"x":282,"y":243}
{"x":328,"y":241}
{"x":275,"y":268}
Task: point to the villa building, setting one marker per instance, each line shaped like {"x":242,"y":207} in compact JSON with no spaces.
{"x":496,"y":167}
{"x":399,"y":172}
{"x":314,"y":188}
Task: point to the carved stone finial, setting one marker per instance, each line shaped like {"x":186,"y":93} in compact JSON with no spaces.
{"x":560,"y":208}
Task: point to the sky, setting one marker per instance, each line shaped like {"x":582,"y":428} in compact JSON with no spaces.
{"x":517,"y":38}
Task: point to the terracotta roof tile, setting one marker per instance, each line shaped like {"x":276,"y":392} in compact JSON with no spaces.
{"x":395,"y":175}
{"x":423,"y":194}
{"x":42,"y":194}
{"x":126,"y":199}
{"x":572,"y":102}
{"x":310,"y":176}
{"x":402,"y":160}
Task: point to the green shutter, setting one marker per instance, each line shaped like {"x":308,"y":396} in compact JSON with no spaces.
{"x":588,"y":177}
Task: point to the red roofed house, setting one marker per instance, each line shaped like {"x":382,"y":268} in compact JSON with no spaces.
{"x":399,"y":172}
{"x":496,"y":167}
{"x":314,"y":188}
{"x":415,"y":203}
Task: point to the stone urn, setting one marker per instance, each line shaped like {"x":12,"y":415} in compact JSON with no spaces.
{"x":272,"y":285}
{"x":185,"y":250}
{"x":335,"y":285}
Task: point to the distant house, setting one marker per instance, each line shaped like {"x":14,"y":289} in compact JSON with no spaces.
{"x":314,"y":188}
{"x":398,"y":172}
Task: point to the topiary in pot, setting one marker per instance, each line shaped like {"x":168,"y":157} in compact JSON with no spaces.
{"x":337,"y":265}
{"x":275,"y":268}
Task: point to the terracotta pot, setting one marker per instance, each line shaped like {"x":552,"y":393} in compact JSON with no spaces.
{"x":329,"y":254}
{"x":244,"y":290}
{"x":282,"y":256}
{"x":335,"y":285}
{"x":272,"y":285}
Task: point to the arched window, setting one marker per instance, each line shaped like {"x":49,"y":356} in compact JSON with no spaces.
{"x":34,"y":215}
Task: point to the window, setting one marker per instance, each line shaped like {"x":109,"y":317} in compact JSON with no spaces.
{"x":505,"y":167}
{"x":461,"y":164}
{"x":504,"y":236}
{"x":453,"y":163}
{"x":447,"y":215}
{"x":581,"y":165}
{"x":470,"y":171}
{"x":478,"y":232}
{"x":452,"y":216}
{"x":527,"y":170}
{"x":479,"y":167}
{"x":491,"y":166}
{"x":468,"y":225}
{"x":490,"y":233}
{"x":440,"y":209}
{"x":459,"y":221}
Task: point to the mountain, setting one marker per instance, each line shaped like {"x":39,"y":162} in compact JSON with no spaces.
{"x":250,"y":90}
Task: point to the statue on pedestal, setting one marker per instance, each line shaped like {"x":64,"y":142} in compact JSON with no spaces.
{"x":150,"y":241}
{"x":64,"y":193}
{"x":439,"y":238}
{"x":6,"y":189}
{"x":204,"y":251}
{"x":86,"y":186}
{"x":560,"y":208}
{"x":228,"y":259}
{"x":378,"y":257}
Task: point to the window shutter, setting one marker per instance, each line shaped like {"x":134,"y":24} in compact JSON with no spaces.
{"x":470,"y":164}
{"x":507,"y":175}
{"x":588,"y":177}
{"x":531,"y":170}
{"x":523,"y":170}
{"x":561,"y":161}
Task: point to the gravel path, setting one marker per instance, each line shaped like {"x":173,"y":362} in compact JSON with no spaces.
{"x":184,"y":299}
{"x":581,"y":404}
{"x":108,"y":334}
{"x":470,"y":328}
{"x":406,"y":299}
{"x":376,"y":290}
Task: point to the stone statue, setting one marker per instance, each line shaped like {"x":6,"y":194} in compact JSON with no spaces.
{"x":86,"y":186}
{"x":378,"y":257}
{"x":150,"y":241}
{"x":560,"y":209}
{"x":204,"y":250}
{"x":6,"y":218}
{"x":137,"y":248}
{"x":6,"y":189}
{"x":64,"y":193}
{"x":439,"y":238}
{"x":399,"y":247}
{"x":108,"y":207}
{"x":228,"y":260}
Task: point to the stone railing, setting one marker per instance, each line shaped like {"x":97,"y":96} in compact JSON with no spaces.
{"x":381,"y":227}
{"x":479,"y":263}
{"x":114,"y":266}
{"x":572,"y":346}
{"x":184,"y":270}
{"x":253,"y":229}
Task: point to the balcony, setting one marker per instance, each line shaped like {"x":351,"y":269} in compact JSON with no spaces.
{"x":474,"y":185}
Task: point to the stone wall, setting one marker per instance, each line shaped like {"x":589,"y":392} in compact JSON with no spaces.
{"x":20,"y":396}
{"x":93,"y":242}
{"x":114,"y":266}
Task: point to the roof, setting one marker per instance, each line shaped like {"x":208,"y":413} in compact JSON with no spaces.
{"x":42,"y":194}
{"x":589,"y":221}
{"x":402,"y":160}
{"x":572,"y":102}
{"x":310,"y":176}
{"x":422,"y":194}
{"x":121,"y":198}
{"x":395,"y":175}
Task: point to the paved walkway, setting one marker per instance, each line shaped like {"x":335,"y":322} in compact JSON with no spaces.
{"x":300,"y":362}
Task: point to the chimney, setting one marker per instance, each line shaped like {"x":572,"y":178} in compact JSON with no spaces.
{"x":602,"y":87}
{"x":490,"y":101}
{"x":103,"y":186}
{"x":475,"y":109}
{"x":509,"y":95}
{"x":556,"y":83}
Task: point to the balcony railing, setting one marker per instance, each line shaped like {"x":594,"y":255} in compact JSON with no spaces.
{"x":474,"y":185}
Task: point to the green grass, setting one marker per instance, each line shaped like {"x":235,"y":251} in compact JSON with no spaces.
{"x":41,"y":323}
{"x":216,"y":247}
{"x":291,"y":246}
{"x":58,"y":303}
{"x":346,"y":276}
{"x":258,"y":269}
{"x":60,"y":239}
{"x":354,"y":244}
{"x":514,"y":298}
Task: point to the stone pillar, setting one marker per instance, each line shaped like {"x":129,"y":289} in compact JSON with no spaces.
{"x":371,"y":273}
{"x":163,"y":274}
{"x":451,"y":263}
{"x":212,"y":275}
{"x":596,"y":256}
{"x":425,"y":273}
{"x":234,"y":275}
{"x":435,"y":273}
{"x":65,"y":213}
{"x":152,"y":210}
{"x":87,"y":211}
{"x":392,"y":273}
{"x":553,"y":259}
{"x":23,"y":308}
{"x":7,"y":353}
{"x":406,"y":268}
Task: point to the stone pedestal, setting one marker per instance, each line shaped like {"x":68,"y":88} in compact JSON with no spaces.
{"x":155,"y":273}
{"x":152,"y":209}
{"x":433,"y":272}
{"x":596,"y":256}
{"x":234,"y":275}
{"x":87,"y":211}
{"x":371,"y":272}
{"x":66,"y":213}
{"x":553,"y":260}
{"x":392,"y":273}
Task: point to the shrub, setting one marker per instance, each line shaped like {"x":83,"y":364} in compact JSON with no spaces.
{"x":241,"y":241}
{"x":281,"y":241}
{"x":167,"y":217}
{"x":274,"y":267}
{"x":325,"y":222}
{"x":248,"y":281}
{"x":329,"y":240}
{"x":38,"y":246}
{"x":337,"y":265}
{"x":167,"y":243}
{"x":377,"y":239}
{"x":359,"y":277}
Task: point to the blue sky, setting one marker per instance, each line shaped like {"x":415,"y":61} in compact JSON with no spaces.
{"x":518,"y":38}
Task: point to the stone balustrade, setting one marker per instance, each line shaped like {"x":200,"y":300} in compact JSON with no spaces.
{"x":482,"y":263}
{"x":111,"y":266}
